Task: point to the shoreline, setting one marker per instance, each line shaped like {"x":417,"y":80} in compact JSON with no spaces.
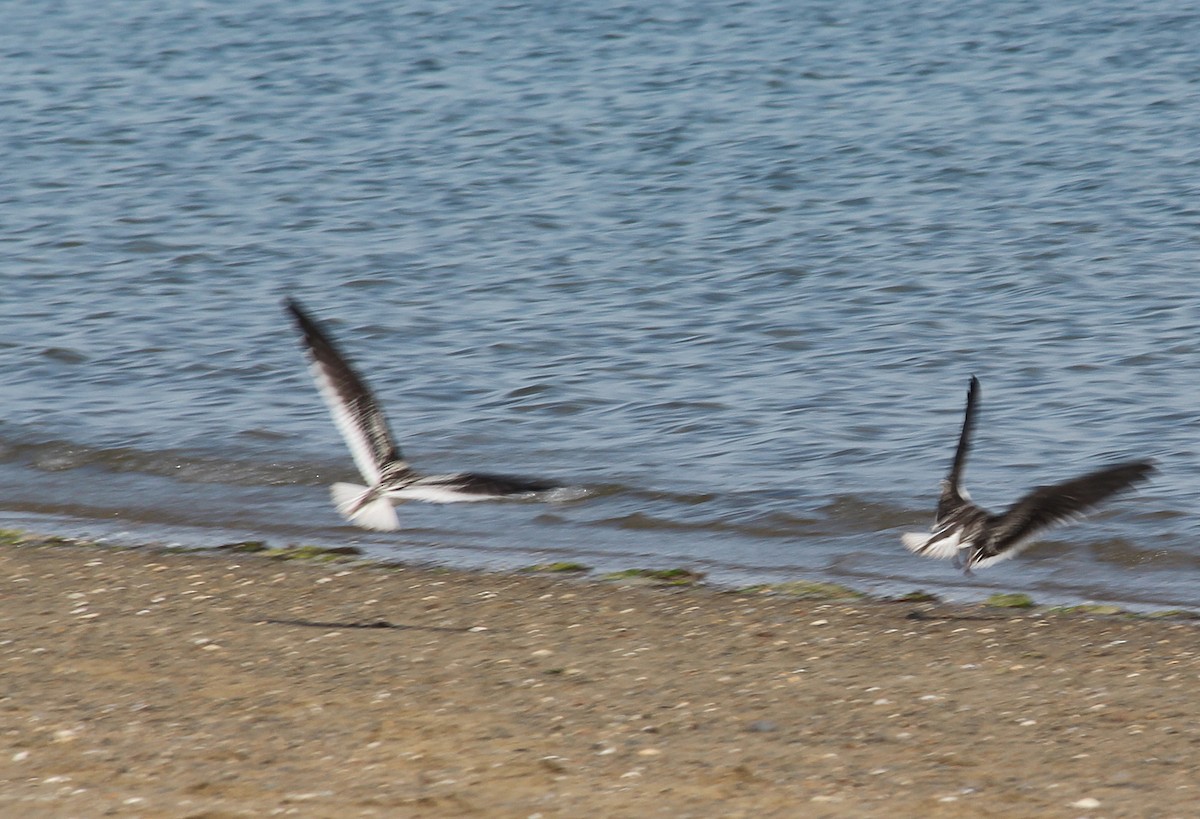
{"x":696,"y":574}
{"x":159,"y":683}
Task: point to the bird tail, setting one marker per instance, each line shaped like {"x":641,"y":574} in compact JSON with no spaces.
{"x":940,"y":545}
{"x":363,"y":507}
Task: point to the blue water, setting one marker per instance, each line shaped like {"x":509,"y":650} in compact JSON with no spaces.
{"x":728,"y":265}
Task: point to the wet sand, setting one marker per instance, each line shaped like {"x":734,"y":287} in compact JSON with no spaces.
{"x":144,"y":683}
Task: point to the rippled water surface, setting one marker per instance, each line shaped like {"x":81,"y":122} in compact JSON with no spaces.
{"x":728,"y":265}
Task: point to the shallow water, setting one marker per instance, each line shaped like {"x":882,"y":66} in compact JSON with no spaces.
{"x":730,"y":267}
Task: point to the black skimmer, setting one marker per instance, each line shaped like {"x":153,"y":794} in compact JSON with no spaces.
{"x":975,"y":538}
{"x":365,"y":430}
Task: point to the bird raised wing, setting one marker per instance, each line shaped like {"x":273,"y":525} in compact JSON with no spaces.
{"x":354,"y":409}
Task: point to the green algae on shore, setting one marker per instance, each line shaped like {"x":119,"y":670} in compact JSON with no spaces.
{"x":1105,"y":609}
{"x":918,"y":596}
{"x":319,"y":554}
{"x":18,"y":537}
{"x":656,"y":577}
{"x":558,"y":567}
{"x":1012,"y":600}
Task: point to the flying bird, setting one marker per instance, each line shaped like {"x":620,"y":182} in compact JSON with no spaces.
{"x":388,"y":476}
{"x":975,"y":538}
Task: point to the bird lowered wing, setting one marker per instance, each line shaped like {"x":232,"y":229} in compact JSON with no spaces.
{"x":1048,"y":506}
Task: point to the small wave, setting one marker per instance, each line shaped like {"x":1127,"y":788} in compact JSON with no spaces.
{"x":189,"y":467}
{"x":1121,"y":552}
{"x":565,"y":494}
{"x":861,"y":514}
{"x":775,"y":525}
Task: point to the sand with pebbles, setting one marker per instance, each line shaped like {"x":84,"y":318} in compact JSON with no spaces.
{"x":143,"y":683}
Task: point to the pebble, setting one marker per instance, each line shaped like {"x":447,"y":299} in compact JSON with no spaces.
{"x":554,"y":763}
{"x":1087,"y":803}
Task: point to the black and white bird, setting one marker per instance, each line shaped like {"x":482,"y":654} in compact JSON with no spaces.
{"x":975,"y":538}
{"x":365,"y":429}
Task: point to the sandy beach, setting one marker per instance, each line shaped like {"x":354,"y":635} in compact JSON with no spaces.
{"x":147,"y":683}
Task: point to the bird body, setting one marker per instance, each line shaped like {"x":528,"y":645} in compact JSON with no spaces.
{"x":365,"y":429}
